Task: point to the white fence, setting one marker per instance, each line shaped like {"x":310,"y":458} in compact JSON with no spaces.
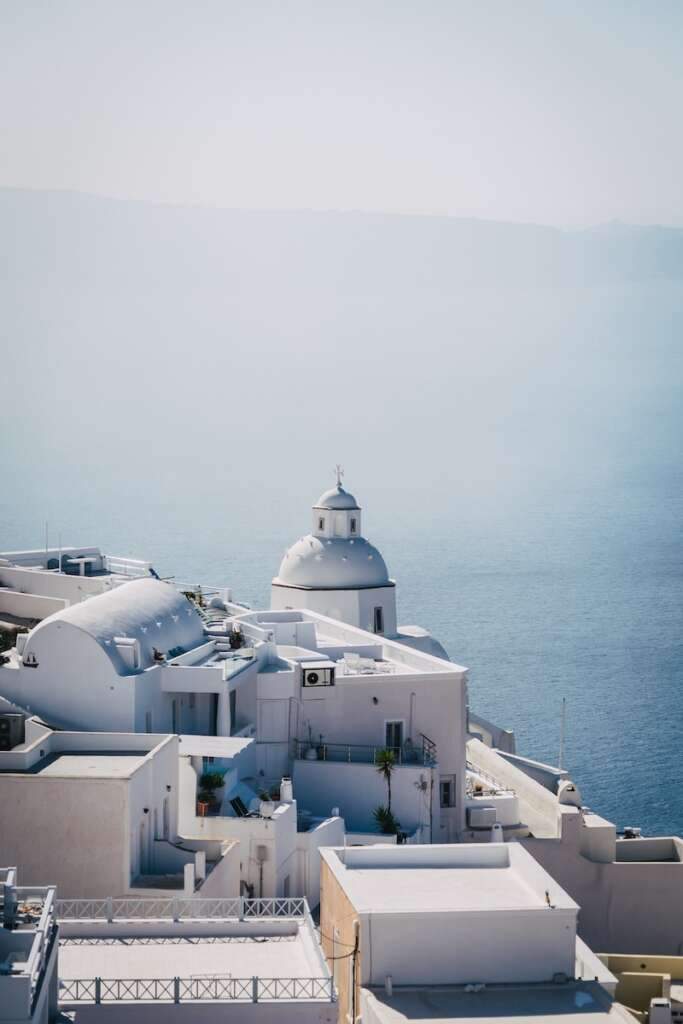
{"x":179,"y":990}
{"x":133,"y":567}
{"x":191,"y":908}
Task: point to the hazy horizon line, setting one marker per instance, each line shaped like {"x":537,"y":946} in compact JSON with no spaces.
{"x":408,"y":215}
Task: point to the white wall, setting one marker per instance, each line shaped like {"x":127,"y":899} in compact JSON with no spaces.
{"x":626,"y":907}
{"x":66,"y":831}
{"x":75,"y":684}
{"x":29,"y":606}
{"x":278,"y":834}
{"x":353,"y":606}
{"x":329,"y":832}
{"x":347,"y":713}
{"x":279,"y":1011}
{"x":459,"y":948}
{"x":152,"y":783}
{"x":54,"y":584}
{"x":357,"y":789}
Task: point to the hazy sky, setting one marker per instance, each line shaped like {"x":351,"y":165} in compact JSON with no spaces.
{"x":556,"y":112}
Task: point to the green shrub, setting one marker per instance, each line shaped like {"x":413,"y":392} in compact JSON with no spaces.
{"x":386,"y":822}
{"x":211,"y":780}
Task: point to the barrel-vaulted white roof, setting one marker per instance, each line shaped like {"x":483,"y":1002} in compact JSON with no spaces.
{"x":334,"y":563}
{"x":147,"y":610}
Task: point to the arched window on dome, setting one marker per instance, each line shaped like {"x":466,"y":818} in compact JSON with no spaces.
{"x":352,"y":524}
{"x":321,"y":522}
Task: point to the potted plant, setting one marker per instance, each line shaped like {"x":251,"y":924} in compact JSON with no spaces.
{"x":204,"y":803}
{"x":235,"y":638}
{"x":386,"y":822}
{"x":211,"y":786}
{"x":267,"y":806}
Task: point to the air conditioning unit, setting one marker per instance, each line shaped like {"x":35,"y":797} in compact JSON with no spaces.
{"x":11,"y":730}
{"x":481,"y":817}
{"x":318,"y":673}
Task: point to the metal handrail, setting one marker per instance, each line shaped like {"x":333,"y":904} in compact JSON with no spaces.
{"x":176,"y":990}
{"x":360,"y":753}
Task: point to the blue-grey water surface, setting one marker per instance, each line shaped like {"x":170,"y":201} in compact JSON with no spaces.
{"x":517,"y":456}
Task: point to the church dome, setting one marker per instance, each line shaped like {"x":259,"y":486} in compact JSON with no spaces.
{"x":337,"y":498}
{"x":334,"y":563}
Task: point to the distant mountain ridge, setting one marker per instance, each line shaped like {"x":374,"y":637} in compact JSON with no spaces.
{"x":69,"y":239}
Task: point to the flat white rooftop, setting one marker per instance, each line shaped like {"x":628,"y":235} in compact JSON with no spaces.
{"x":580,"y":1003}
{"x":274,"y":956}
{"x":89,"y":765}
{"x":442,"y":878}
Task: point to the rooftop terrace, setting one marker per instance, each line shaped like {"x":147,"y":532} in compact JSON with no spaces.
{"x":190,"y":949}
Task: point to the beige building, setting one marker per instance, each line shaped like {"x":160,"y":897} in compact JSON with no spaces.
{"x":403,"y":926}
{"x":96,"y":813}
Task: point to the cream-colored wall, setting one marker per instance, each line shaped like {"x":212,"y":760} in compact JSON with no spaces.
{"x":340,"y":922}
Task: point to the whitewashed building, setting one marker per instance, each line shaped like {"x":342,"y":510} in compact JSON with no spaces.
{"x":456,"y":932}
{"x":98,"y":812}
{"x":98,"y":665}
{"x":335,"y":571}
{"x":37,"y":583}
{"x":28,"y":952}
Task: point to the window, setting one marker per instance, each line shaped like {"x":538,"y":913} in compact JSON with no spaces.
{"x":447,"y":791}
{"x":233,"y":712}
{"x":174,"y":717}
{"x":285,"y":888}
{"x":378,"y":620}
{"x":321,"y":523}
{"x":393,"y":737}
{"x":148,"y":721}
{"x":352,"y":525}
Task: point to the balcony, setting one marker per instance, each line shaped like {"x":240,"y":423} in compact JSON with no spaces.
{"x":27,"y":935}
{"x":413,"y":755}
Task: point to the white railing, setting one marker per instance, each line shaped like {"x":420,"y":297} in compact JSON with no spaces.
{"x":24,"y":904}
{"x":190,"y":908}
{"x":501,"y":787}
{"x":133,"y":567}
{"x":178,"y":990}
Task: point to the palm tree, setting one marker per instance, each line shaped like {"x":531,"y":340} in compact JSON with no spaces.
{"x":385,"y":762}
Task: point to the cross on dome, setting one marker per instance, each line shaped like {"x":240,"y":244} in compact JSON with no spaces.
{"x":340,"y":473}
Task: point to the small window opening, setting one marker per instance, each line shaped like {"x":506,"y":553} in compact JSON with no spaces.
{"x":378,"y":624}
{"x":352,"y":527}
{"x":321,"y":523}
{"x":447,"y":792}
{"x":148,"y":721}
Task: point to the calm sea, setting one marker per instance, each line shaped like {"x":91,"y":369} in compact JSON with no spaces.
{"x":531,"y":513}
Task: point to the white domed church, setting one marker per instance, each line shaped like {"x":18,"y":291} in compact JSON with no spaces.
{"x":335,"y":571}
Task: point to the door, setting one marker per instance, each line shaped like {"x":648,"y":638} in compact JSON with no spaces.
{"x":393,"y":738}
